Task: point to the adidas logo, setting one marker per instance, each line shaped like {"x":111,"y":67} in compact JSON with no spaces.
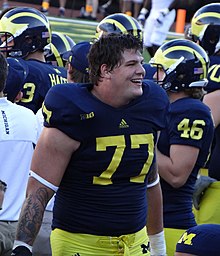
{"x":123,"y":124}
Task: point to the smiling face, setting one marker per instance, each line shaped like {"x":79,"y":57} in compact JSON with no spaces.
{"x":126,"y":79}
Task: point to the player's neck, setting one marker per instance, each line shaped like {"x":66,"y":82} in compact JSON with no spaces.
{"x":107,"y":97}
{"x":173,"y":96}
{"x":36,"y":56}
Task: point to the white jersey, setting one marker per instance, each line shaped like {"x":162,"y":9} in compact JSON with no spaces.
{"x":160,"y":4}
{"x":18,"y":133}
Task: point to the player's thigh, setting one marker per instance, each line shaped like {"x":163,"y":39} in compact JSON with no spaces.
{"x":172,"y":236}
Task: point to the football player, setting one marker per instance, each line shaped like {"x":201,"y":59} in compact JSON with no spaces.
{"x":97,"y":152}
{"x":205,"y":27}
{"x":183,"y":146}
{"x":60,"y":44}
{"x":24,"y":33}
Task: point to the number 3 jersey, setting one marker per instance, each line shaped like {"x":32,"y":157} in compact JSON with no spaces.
{"x":103,"y":190}
{"x":190,"y":123}
{"x":40,"y":77}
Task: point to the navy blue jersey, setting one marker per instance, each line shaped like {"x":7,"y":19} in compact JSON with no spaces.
{"x":40,"y":77}
{"x":213,"y":74}
{"x":188,"y":123}
{"x":103,"y":191}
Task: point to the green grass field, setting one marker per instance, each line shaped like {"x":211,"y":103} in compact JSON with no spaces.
{"x":80,"y":30}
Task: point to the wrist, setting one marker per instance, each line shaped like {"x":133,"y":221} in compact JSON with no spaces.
{"x":20,"y":243}
{"x":157,"y":244}
{"x":144,"y":11}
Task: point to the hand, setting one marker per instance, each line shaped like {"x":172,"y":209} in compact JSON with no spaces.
{"x":202,"y":183}
{"x":21,"y":251}
{"x":142,"y":16}
{"x":161,"y":16}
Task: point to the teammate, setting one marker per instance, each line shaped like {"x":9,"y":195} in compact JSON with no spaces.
{"x":161,"y":17}
{"x":205,"y":27}
{"x":60,"y":44}
{"x":24,"y":34}
{"x":18,"y":135}
{"x":18,"y":73}
{"x":201,"y":240}
{"x":78,"y":66}
{"x":183,"y":147}
{"x":206,"y":31}
{"x":97,"y":151}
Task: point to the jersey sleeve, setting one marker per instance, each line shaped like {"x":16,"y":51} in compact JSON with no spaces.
{"x":60,"y":112}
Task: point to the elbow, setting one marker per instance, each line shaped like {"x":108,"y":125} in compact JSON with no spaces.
{"x":176,"y":182}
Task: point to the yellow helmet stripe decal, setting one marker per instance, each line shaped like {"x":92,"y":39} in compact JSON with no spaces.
{"x":188,"y":49}
{"x":29,"y":15}
{"x":57,"y":55}
{"x":207,"y":14}
{"x":117,"y":24}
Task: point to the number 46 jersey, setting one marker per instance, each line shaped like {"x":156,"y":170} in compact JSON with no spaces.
{"x":103,"y":191}
{"x":189,"y":123}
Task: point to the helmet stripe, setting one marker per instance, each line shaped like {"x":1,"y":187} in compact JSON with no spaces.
{"x":18,"y":15}
{"x":117,"y":24}
{"x":207,"y":14}
{"x":188,"y":49}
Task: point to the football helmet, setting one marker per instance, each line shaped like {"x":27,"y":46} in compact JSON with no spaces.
{"x":205,"y":27}
{"x":184,"y":63}
{"x":119,"y":23}
{"x":60,"y":44}
{"x":23,"y":30}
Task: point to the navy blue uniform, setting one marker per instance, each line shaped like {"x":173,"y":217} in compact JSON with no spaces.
{"x":213,"y":74}
{"x":214,"y":84}
{"x":188,"y":123}
{"x":40,"y":77}
{"x":103,"y":191}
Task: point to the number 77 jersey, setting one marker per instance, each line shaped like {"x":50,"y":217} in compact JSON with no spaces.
{"x":103,"y":191}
